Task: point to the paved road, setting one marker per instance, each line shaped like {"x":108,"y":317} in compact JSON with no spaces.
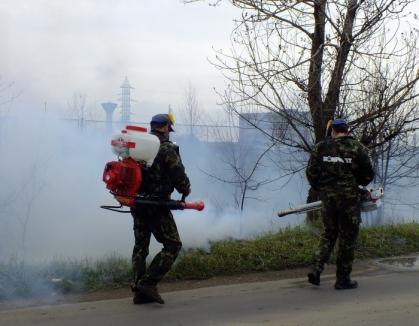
{"x":384,"y":298}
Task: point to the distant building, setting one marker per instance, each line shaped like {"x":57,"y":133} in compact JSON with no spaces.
{"x":126,"y":101}
{"x":109,"y":108}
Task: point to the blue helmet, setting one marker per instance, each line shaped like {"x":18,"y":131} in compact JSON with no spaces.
{"x":162,"y":120}
{"x":339,"y":123}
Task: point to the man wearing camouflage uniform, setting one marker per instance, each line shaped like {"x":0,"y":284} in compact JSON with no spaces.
{"x":336,"y":168}
{"x":166,"y":174}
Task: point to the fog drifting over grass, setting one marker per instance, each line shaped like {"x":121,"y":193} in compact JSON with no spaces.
{"x":51,"y":176}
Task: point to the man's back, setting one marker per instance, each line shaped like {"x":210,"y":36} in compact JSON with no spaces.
{"x":341,"y":163}
{"x":336,"y":168}
{"x":166,"y":173}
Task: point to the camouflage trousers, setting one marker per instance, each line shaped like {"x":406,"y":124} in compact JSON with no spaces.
{"x":341,"y":220}
{"x":159,"y":222}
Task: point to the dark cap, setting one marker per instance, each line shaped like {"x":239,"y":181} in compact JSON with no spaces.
{"x":161,"y":120}
{"x":340,"y":125}
{"x":339,"y":122}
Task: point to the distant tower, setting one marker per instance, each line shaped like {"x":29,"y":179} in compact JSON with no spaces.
{"x":125,"y":101}
{"x":109,"y":108}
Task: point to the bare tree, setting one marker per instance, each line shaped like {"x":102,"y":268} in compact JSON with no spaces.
{"x":384,"y":114}
{"x":210,"y":3}
{"x":76,"y":108}
{"x":7,"y":96}
{"x":28,"y":195}
{"x":300,"y":55}
{"x":190,"y":113}
{"x":242,"y":172}
{"x":246,"y":162}
{"x":18,"y":201}
{"x":314,"y":60}
{"x":390,"y":109}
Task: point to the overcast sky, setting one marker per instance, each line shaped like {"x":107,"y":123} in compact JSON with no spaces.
{"x":51,"y":49}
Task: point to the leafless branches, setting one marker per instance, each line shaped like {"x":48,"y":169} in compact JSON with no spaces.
{"x":301,"y":56}
{"x":310,"y":61}
{"x":7,"y":96}
{"x":190,"y":113}
{"x":76,"y":108}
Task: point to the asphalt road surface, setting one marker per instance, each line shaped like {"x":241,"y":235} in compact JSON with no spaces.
{"x":385,"y":297}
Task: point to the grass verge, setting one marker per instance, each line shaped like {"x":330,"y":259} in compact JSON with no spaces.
{"x":288,"y":248}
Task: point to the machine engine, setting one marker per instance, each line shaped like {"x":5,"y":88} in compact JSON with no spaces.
{"x":123,"y":178}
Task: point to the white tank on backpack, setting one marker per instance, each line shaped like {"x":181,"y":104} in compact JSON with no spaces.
{"x":136,"y":143}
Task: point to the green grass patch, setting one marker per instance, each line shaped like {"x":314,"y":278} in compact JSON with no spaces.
{"x":287,"y":248}
{"x":388,"y":240}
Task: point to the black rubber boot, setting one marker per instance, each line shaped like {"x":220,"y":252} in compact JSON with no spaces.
{"x":314,"y":277}
{"x":139,"y":298}
{"x":345,"y":283}
{"x":150,"y":292}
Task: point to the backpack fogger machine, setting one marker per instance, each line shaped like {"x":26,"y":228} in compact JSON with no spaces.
{"x":136,"y":150}
{"x":370,"y":201}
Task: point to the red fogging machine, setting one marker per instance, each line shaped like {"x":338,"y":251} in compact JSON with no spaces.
{"x":136,"y":148}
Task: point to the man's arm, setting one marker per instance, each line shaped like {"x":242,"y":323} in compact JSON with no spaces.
{"x":176,"y":170}
{"x":365,"y":173}
{"x":313,"y":168}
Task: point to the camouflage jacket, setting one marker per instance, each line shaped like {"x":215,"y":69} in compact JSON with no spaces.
{"x":340,"y":163}
{"x":166,"y":173}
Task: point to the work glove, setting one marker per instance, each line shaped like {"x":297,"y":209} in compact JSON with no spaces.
{"x":186,"y":193}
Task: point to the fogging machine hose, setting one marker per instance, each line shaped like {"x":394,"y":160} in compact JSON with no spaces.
{"x":138,"y":202}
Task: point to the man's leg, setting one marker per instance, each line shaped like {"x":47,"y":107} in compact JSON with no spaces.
{"x":142,"y":236}
{"x":348,"y":234}
{"x":164,"y":229}
{"x":327,"y":241}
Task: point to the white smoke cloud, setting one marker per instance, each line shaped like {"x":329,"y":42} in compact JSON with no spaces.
{"x":51,"y":191}
{"x":51,"y":172}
